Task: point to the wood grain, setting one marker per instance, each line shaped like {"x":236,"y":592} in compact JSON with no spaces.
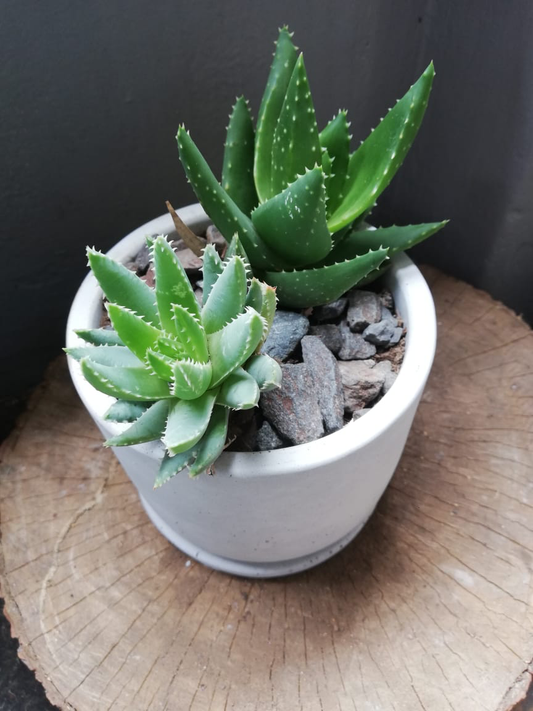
{"x":430,"y":609}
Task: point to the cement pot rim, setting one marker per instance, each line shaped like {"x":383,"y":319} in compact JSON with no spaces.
{"x":414,"y":303}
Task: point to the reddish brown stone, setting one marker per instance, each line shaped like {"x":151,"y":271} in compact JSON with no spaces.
{"x":326,"y":376}
{"x":361,"y":383}
{"x":189,"y":261}
{"x":293,"y":408}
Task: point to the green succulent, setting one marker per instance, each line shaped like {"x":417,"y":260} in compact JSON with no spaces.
{"x":297,"y":197}
{"x":175,"y":367}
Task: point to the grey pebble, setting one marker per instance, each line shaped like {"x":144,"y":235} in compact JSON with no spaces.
{"x":293,"y":408}
{"x":329,"y":334}
{"x":326,"y":377}
{"x":398,"y":333}
{"x":267,"y":438}
{"x":331,"y":311}
{"x":386,"y":315}
{"x":286,"y":333}
{"x":364,"y":309}
{"x":381,"y":334}
{"x":142,"y":260}
{"x":354,"y":346}
{"x":385,"y":367}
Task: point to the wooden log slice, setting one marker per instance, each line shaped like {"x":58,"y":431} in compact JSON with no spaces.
{"x":429,"y":609}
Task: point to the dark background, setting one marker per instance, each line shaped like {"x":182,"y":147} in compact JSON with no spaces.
{"x":92,"y":94}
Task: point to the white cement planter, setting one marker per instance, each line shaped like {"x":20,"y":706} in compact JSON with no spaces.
{"x":266,"y":514}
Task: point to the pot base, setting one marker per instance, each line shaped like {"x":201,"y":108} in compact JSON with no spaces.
{"x":247,"y":569}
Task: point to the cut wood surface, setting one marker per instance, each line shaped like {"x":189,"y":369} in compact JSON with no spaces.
{"x":429,"y":609}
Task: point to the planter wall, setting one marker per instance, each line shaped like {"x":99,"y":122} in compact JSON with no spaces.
{"x":274,"y":513}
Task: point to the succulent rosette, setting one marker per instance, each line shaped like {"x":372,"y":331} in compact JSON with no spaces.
{"x":177,"y":367}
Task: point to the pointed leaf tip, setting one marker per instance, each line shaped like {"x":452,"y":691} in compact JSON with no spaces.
{"x":376,"y":161}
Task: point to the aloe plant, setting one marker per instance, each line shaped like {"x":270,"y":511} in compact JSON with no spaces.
{"x":175,"y":367}
{"x":297,"y":197}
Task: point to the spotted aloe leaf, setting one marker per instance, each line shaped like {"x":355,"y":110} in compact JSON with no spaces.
{"x":341,"y":234}
{"x":212,"y":443}
{"x":218,"y":204}
{"x":296,"y":145}
{"x":172,"y":284}
{"x":395,"y":239}
{"x":235,"y":249}
{"x":136,"y":333}
{"x":238,"y":166}
{"x":190,"y":379}
{"x":227,"y":297}
{"x":335,"y":139}
{"x":376,"y":161}
{"x":123,"y":287}
{"x":327,"y":168}
{"x":288,"y":235}
{"x":265,"y":371}
{"x":150,"y":426}
{"x":124,"y":383}
{"x":106,"y":355}
{"x":273,"y":97}
{"x":230,"y":347}
{"x":187,"y":422}
{"x":294,"y":223}
{"x":239,"y":391}
{"x":311,"y":287}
